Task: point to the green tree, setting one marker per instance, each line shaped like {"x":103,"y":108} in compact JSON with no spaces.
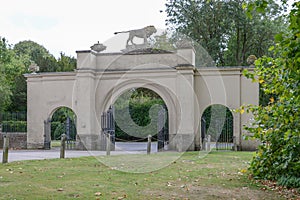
{"x":277,"y":125}
{"x":31,"y":52}
{"x":66,"y":63}
{"x":223,"y":29}
{"x":19,"y":95}
{"x":37,"y":54}
{"x":5,"y":93}
{"x":11,"y":66}
{"x":251,"y":36}
{"x":163,"y":41}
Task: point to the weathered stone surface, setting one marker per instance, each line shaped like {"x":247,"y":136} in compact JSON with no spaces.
{"x":16,"y":140}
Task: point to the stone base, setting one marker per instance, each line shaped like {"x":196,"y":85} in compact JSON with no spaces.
{"x":92,"y":142}
{"x":16,"y":140}
{"x":88,"y":142}
{"x":181,"y":142}
{"x":35,"y":145}
{"x":249,"y":145}
{"x":135,"y":47}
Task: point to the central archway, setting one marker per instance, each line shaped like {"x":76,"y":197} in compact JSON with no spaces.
{"x":167,"y":96}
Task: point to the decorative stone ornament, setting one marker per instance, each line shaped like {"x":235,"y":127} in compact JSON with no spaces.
{"x":98,"y":47}
{"x":143,"y":33}
{"x":251,"y":60}
{"x":33,"y":68}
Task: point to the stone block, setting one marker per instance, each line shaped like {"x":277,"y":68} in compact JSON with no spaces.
{"x":16,"y":140}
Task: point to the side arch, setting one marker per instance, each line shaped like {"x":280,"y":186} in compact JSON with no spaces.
{"x":217,"y":122}
{"x":65,"y":121}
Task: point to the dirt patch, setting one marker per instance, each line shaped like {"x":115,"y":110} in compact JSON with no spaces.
{"x":190,"y":192}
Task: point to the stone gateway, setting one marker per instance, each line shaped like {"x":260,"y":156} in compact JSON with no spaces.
{"x":100,"y":78}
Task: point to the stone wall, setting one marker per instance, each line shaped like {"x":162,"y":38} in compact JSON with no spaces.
{"x":16,"y":140}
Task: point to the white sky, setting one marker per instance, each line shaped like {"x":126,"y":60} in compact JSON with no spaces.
{"x":70,"y":25}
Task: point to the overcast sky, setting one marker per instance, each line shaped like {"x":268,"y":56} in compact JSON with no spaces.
{"x":70,"y":25}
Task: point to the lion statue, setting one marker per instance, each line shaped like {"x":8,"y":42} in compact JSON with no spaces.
{"x":144,"y":33}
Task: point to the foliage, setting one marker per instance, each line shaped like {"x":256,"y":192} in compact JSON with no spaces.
{"x":66,"y":63}
{"x":11,"y":66}
{"x":62,"y":113}
{"x":14,"y":62}
{"x":139,"y":101}
{"x":163,"y":42}
{"x":41,"y":56}
{"x":14,"y":126}
{"x":13,"y":121}
{"x":277,"y":125}
{"x":223,"y":29}
{"x":5,"y":93}
{"x":37,"y":54}
{"x":59,"y":128}
{"x":19,"y":95}
{"x":289,"y":181}
{"x":59,"y":121}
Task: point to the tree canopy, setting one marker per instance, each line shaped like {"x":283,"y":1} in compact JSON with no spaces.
{"x":223,"y":29}
{"x":15,"y":61}
{"x":11,"y":66}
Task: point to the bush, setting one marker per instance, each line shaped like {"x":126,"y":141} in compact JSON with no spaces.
{"x":276,"y":124}
{"x":140,"y":104}
{"x":14,"y":126}
{"x":58,"y":128}
{"x":289,"y":181}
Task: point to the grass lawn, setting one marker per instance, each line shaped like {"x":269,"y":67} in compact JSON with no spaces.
{"x":55,"y":143}
{"x":192,"y":176}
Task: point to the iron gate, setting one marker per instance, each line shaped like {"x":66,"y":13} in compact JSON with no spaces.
{"x":225,"y":137}
{"x":68,"y":128}
{"x":108,"y":127}
{"x":221,"y":137}
{"x":70,"y":133}
{"x":162,"y":136}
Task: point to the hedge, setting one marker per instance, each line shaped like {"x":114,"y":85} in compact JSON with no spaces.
{"x":14,"y":126}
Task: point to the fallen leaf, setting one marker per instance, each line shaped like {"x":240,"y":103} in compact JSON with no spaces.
{"x":98,"y":194}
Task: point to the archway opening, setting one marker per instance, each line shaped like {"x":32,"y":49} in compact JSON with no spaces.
{"x":63,"y":121}
{"x":140,"y":112}
{"x":217,"y":124}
